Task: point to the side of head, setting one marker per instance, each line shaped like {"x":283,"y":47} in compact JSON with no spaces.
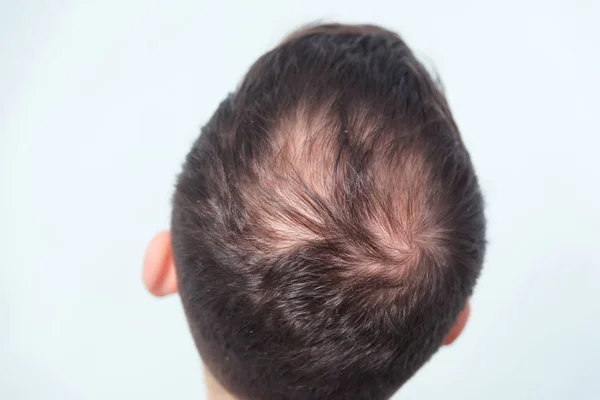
{"x":327,"y":227}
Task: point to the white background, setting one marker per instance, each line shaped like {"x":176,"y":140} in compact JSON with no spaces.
{"x":100,"y":101}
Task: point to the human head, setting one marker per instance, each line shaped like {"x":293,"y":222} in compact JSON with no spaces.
{"x":327,"y":227}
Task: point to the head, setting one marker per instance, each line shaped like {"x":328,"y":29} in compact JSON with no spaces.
{"x":327,"y":227}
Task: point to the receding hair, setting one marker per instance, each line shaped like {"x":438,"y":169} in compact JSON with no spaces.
{"x":328,"y":226}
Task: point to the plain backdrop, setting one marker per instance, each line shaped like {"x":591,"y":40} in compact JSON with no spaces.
{"x":100,"y":101}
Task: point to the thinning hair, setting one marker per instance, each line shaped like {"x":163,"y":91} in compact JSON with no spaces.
{"x":328,"y":226}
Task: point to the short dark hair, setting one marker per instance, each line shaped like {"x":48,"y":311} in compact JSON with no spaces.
{"x":328,"y":226}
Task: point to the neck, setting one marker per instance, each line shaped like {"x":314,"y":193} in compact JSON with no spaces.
{"x":214,"y":388}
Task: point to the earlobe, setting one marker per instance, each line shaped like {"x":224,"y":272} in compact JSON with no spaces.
{"x":459,"y":325}
{"x":159,"y":273}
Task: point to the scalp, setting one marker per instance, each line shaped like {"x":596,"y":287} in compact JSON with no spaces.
{"x":328,"y":226}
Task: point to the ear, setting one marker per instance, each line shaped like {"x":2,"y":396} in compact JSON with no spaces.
{"x":459,"y":325}
{"x":159,"y":274}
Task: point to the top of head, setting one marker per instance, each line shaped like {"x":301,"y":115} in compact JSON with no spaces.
{"x":327,"y":226}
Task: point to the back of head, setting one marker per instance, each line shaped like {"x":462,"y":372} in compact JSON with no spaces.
{"x":328,"y":226}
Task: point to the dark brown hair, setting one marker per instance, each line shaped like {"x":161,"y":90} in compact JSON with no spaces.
{"x":328,"y":226}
